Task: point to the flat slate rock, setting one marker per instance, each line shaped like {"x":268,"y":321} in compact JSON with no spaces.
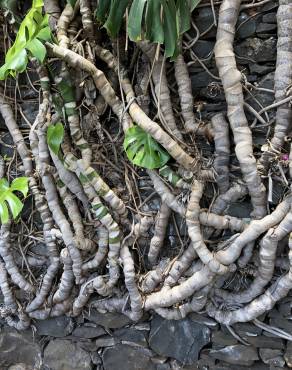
{"x":125,"y":357}
{"x":19,"y":347}
{"x":182,"y":339}
{"x":88,"y":332}
{"x":57,"y":327}
{"x":132,"y":336}
{"x":64,"y":355}
{"x":237,"y":354}
{"x":108,"y":320}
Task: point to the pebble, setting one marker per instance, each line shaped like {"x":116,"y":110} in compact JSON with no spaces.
{"x":108,"y":320}
{"x":86,"y":331}
{"x":273,"y":357}
{"x":55,"y":327}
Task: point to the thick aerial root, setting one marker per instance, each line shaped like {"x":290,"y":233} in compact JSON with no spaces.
{"x":87,"y":21}
{"x":193,"y":223}
{"x":196,"y":304}
{"x":129,"y":275}
{"x":161,"y":224}
{"x":259,"y":305}
{"x":70,"y":180}
{"x":2,"y":167}
{"x":162,"y":92}
{"x":8,"y":116}
{"x":246,"y":256}
{"x":234,"y":193}
{"x":58,"y":309}
{"x":141,"y":119}
{"x":102,"y":251}
{"x":252,"y":232}
{"x":53,"y":10}
{"x":10,"y":265}
{"x":222,"y":150}
{"x":153,"y":277}
{"x":74,"y":215}
{"x":63,"y":24}
{"x":267,"y":255}
{"x":231,"y":78}
{"x":8,"y":297}
{"x":168,"y":296}
{"x":67,"y":278}
{"x":283,"y":80}
{"x":22,"y":322}
{"x":185,"y":93}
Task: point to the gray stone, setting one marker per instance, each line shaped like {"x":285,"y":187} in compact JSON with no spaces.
{"x":55,"y":327}
{"x":261,"y":69}
{"x":288,"y":354}
{"x":256,"y":50}
{"x":86,"y":331}
{"x":20,"y":367}
{"x":124,"y":357}
{"x":64,"y":355}
{"x":237,"y":354}
{"x":201,"y":319}
{"x":203,"y":48}
{"x":131,"y":336}
{"x":246,"y":26}
{"x":266,"y":27}
{"x":106,"y":341}
{"x":272,"y":357}
{"x":108,"y":320}
{"x":19,"y":347}
{"x":204,"y":21}
{"x":181,"y":339}
{"x":265,"y":342}
{"x":270,"y":18}
{"x":7,"y":146}
{"x":221,"y":339}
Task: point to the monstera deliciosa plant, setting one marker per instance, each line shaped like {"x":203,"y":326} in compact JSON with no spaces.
{"x":9,"y":201}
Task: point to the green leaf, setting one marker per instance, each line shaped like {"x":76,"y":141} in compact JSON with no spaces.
{"x":55,"y":136}
{"x":184,"y":15}
{"x":102,"y":10}
{"x":170,"y":27}
{"x":8,"y":198}
{"x":37,"y":49}
{"x":20,"y":184}
{"x":135,"y":20}
{"x":33,"y":28}
{"x":142,"y":150}
{"x":194,"y":3}
{"x":115,"y":18}
{"x":154,"y":27}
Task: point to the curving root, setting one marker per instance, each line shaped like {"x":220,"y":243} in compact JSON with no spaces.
{"x":8,"y":297}
{"x":156,"y":242}
{"x":10,"y":265}
{"x":103,"y":236}
{"x":222,"y":150}
{"x":174,"y":179}
{"x":67,"y":278}
{"x":231,"y":78}
{"x":193,"y":223}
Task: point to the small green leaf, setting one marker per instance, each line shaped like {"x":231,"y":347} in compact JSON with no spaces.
{"x":4,"y":213}
{"x":55,"y":135}
{"x":102,"y":10}
{"x":142,"y":150}
{"x":37,"y":49}
{"x":20,"y":184}
{"x":116,"y":15}
{"x":135,"y":20}
{"x":154,"y":27}
{"x":194,"y":3}
{"x":8,"y":198}
{"x":37,"y":3}
{"x":45,"y":34}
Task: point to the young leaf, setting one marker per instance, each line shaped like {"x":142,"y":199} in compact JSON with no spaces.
{"x":55,"y":136}
{"x":154,"y":27}
{"x":194,"y":3}
{"x":33,"y":28}
{"x":135,"y":20}
{"x":170,"y":27}
{"x":184,"y":15}
{"x":142,"y":150}
{"x":116,"y":15}
{"x":8,"y":198}
{"x":102,"y":10}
